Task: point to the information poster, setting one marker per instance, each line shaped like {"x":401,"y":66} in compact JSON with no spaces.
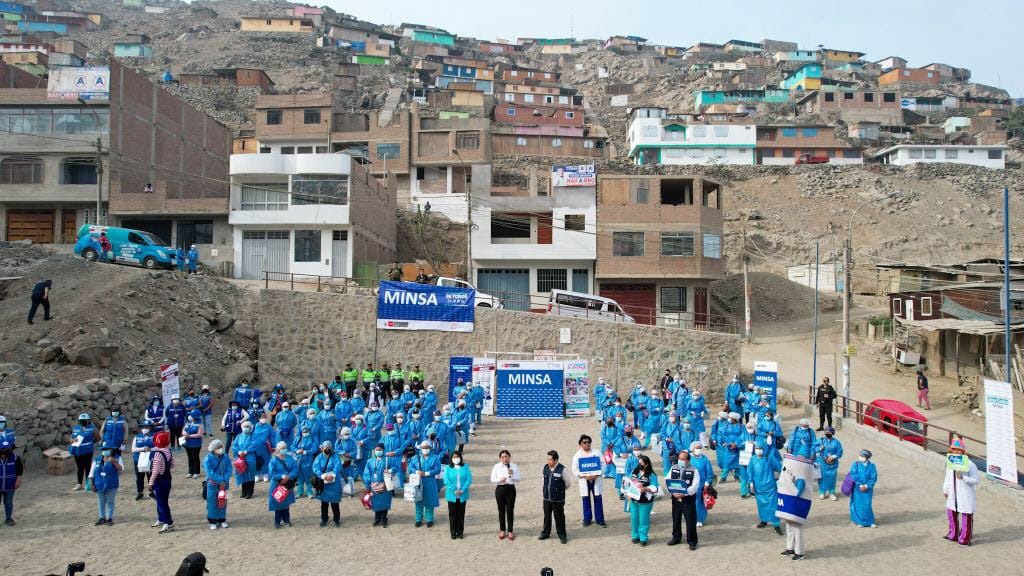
{"x":1001,"y":459}
{"x":530,"y":390}
{"x":577,"y":388}
{"x":483,"y":376}
{"x":458,"y":367}
{"x":766,"y":380}
{"x":169,"y":386}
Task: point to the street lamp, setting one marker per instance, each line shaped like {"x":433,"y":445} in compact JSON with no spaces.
{"x":469,"y":219}
{"x":847,"y":293}
{"x":99,"y":158}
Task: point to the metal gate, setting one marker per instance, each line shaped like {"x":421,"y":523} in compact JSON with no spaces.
{"x":511,"y":286}
{"x":264,"y":250}
{"x":339,"y":254}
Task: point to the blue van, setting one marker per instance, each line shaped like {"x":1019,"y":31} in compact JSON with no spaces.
{"x":133,"y":247}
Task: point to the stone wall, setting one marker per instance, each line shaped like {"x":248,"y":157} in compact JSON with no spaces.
{"x":308,"y":337}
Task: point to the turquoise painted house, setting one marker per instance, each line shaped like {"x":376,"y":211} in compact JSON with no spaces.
{"x":806,"y":77}
{"x":768,"y":95}
{"x":126,"y":50}
{"x":33,"y":26}
{"x":433,"y":37}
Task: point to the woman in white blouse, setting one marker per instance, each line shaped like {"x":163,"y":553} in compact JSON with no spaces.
{"x":505,"y":475}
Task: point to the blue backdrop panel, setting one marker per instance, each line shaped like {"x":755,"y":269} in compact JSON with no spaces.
{"x":530,"y":390}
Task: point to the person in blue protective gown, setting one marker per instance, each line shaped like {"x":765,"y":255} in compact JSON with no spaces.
{"x":609,"y":436}
{"x":286,"y":423}
{"x":671,"y":442}
{"x":801,"y":442}
{"x":865,"y":476}
{"x":707,"y":474}
{"x":729,"y":438}
{"x":327,"y":468}
{"x":827,"y":454}
{"x":283,"y":470}
{"x":761,"y":475}
{"x":218,"y":477}
{"x":622,"y":450}
{"x":374,"y":475}
{"x":746,"y":445}
{"x":241,"y":448}
{"x":264,"y":438}
{"x":304,"y":446}
{"x":423,"y":470}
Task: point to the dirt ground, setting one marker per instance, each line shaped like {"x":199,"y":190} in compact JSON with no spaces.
{"x":55,"y":527}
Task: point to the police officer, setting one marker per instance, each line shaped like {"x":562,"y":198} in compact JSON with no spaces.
{"x":684,"y":506}
{"x":824,"y":398}
{"x":398,"y":376}
{"x":385,"y":379}
{"x":368,"y":375}
{"x":350,"y":378}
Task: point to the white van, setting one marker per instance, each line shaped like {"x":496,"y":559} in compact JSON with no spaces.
{"x":580,"y":305}
{"x":482,"y":300}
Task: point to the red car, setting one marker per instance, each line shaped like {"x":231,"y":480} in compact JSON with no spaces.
{"x":891,"y":415}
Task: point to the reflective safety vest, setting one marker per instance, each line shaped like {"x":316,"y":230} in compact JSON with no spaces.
{"x":350,"y":376}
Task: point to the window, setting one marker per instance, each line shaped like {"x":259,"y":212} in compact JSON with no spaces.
{"x":673,"y":299}
{"x":676,"y":192}
{"x":712,"y":246}
{"x":556,"y":142}
{"x":650,"y":132}
{"x":563,"y":99}
{"x":511,"y":111}
{"x":950,"y":154}
{"x":509,"y":97}
{"x":576,"y":222}
{"x":926,"y":306}
{"x":549,"y":99}
{"x":674,"y":134}
{"x":569,"y":115}
{"x":509,"y":226}
{"x":549,"y":279}
{"x":931,"y":75}
{"x":287,"y":150}
{"x":388,"y":151}
{"x":639,"y":193}
{"x":273,"y":117}
{"x":78,"y":170}
{"x":788,"y":153}
{"x":195,"y":232}
{"x":588,"y":143}
{"x":271,"y":196}
{"x":830,"y":97}
{"x":528,"y":98}
{"x":520,"y":141}
{"x":851,"y":154}
{"x":264,"y":149}
{"x":869,"y":96}
{"x":847,"y":95}
{"x":995,"y":154}
{"x":789,"y":132}
{"x":467,"y":140}
{"x":721,"y":131}
{"x":627,"y":243}
{"x":21,"y":170}
{"x":699,"y":131}
{"x":719,"y":153}
{"x":906,"y":72}
{"x":515,"y":73}
{"x":319,"y":189}
{"x":321,"y":149}
{"x":136,"y":238}
{"x":677,"y":244}
{"x":311,"y":116}
{"x":897,"y":307}
{"x":810,"y":132}
{"x":929,"y":153}
{"x":915,"y":153}
{"x":304,"y":150}
{"x":307,"y":245}
{"x":888,"y":97}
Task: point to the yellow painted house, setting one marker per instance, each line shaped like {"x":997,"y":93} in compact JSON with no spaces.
{"x":276,"y":24}
{"x":840,"y":55}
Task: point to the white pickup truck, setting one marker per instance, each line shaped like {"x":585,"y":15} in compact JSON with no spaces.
{"x":482,"y":300}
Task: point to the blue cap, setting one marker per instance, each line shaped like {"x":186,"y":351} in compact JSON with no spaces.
{"x":5,"y":444}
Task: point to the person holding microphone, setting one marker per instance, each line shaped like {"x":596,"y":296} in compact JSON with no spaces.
{"x":505,"y":475}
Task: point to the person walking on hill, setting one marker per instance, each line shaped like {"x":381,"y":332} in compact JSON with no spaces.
{"x":41,"y":297}
{"x":922,"y":391}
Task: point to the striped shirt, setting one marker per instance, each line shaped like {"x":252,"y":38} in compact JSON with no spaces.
{"x":160,"y":465}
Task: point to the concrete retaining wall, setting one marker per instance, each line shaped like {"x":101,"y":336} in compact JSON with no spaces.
{"x":308,"y":337}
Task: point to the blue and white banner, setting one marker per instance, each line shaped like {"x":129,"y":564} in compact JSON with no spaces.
{"x":412,"y":306}
{"x":530,"y":390}
{"x":766,"y":380}
{"x":458,"y":367}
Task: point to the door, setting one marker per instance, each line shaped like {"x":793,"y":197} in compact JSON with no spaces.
{"x":700,"y":308}
{"x":264,"y":250}
{"x":34,"y":225}
{"x":581,"y":280}
{"x":339,"y":254}
{"x":637,"y":300}
{"x":69,"y":230}
{"x":511,"y":286}
{"x":910,"y":308}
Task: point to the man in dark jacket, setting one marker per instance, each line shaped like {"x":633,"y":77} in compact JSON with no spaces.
{"x":41,"y":295}
{"x":555,"y":483}
{"x":825,"y":396}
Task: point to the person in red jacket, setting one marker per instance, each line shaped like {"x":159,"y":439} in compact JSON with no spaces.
{"x":107,"y":249}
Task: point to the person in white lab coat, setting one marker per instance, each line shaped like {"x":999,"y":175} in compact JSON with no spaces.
{"x":958,"y":488}
{"x":589,"y":482}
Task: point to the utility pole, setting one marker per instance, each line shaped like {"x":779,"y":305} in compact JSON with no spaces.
{"x":814,"y":346}
{"x":99,"y":158}
{"x":469,"y":219}
{"x":746,"y":287}
{"x":1006,"y":283}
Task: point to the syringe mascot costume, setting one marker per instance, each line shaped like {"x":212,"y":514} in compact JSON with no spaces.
{"x":795,"y":487}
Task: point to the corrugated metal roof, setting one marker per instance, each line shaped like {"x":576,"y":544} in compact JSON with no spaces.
{"x":980,"y":327}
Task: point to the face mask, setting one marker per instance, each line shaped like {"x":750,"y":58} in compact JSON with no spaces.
{"x":415,"y":416}
{"x":115,"y":414}
{"x":456,"y":461}
{"x":829,"y":436}
{"x":759,"y":452}
{"x":107,"y":453}
{"x":425,"y":451}
{"x":399,"y":420}
{"x":305,"y":434}
{"x":219,"y":451}
{"x":636,"y":453}
{"x":437,"y":418}
{"x":3,"y":425}
{"x":346,"y":436}
{"x":628,"y":434}
{"x":770,"y":418}
{"x":373,"y":408}
{"x":618,"y":418}
{"x":697,"y":452}
{"x":672,"y":420}
{"x":145,"y":431}
{"x":695,"y":396}
{"x":863,"y":459}
{"x":327,"y":406}
{"x":686,"y":426}
{"x":684,"y":463}
{"x":378,"y":453}
{"x":244,"y":385}
{"x":391,"y":433}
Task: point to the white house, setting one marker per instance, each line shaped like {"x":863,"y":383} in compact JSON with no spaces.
{"x":993,"y":156}
{"x":655,"y":137}
{"x":314,"y":214}
{"x":527,"y":243}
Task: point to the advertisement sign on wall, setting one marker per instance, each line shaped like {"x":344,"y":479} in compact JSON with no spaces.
{"x":529,"y":390}
{"x":1001,"y":458}
{"x":412,"y":306}
{"x":577,"y":388}
{"x":72,"y":83}
{"x":766,"y":380}
{"x":569,"y":176}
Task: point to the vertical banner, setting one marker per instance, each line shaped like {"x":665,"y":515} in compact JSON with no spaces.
{"x":169,"y":386}
{"x":1001,"y":458}
{"x":577,"y":388}
{"x":483,"y":376}
{"x":458,"y":367}
{"x":530,"y":390}
{"x":766,"y":380}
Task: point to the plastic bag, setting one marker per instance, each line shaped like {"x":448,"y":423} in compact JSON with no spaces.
{"x":367,"y":500}
{"x":144,"y":462}
{"x":241,"y":466}
{"x":280,"y":494}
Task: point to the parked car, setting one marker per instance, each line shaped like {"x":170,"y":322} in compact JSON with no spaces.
{"x":482,"y":300}
{"x":134,"y":247}
{"x":580,"y":305}
{"x":806,"y":158}
{"x":890,"y":416}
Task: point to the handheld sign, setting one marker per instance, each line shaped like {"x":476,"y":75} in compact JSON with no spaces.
{"x":631,"y":489}
{"x":957,"y":462}
{"x":675,"y":486}
{"x":590,"y":465}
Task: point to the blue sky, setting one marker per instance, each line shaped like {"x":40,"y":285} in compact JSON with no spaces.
{"x":980,"y":35}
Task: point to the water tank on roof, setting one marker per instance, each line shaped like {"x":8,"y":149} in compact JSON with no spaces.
{"x":167,"y":77}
